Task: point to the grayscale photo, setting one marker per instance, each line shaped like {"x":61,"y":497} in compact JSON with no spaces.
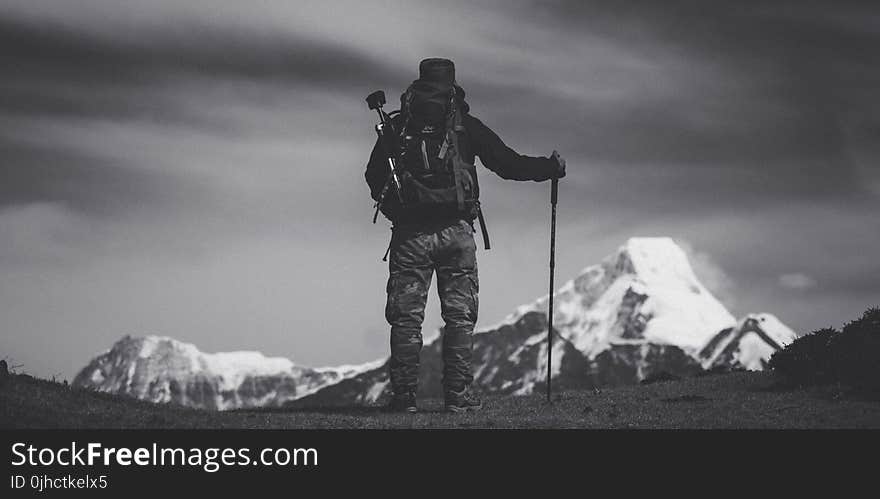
{"x":422,"y":215}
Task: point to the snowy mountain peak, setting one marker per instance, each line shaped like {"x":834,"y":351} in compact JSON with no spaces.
{"x":645,"y":292}
{"x":748,"y":344}
{"x":770,"y":326}
{"x":656,"y":259}
{"x":231,"y":367}
{"x":162,"y":369}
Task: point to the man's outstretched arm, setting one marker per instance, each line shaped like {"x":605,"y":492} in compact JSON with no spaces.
{"x":506,"y":162}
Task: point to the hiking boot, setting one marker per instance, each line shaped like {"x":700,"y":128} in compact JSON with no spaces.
{"x":403,"y":402}
{"x":462,"y":401}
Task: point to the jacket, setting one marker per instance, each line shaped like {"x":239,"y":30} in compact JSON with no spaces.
{"x":478,"y":140}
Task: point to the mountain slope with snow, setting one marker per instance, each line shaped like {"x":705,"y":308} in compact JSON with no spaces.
{"x":748,"y":345}
{"x":162,"y":369}
{"x":646,"y":292}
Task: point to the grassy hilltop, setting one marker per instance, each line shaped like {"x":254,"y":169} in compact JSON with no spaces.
{"x":734,"y":400}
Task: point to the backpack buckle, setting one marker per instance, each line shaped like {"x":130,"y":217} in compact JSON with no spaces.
{"x":444,"y":148}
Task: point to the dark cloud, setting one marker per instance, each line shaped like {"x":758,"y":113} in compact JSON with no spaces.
{"x":84,"y":183}
{"x":57,"y":70}
{"x":763,"y":94}
{"x":766,"y":96}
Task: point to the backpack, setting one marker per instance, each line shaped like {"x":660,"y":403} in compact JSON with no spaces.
{"x":435,"y":178}
{"x":436,"y":181}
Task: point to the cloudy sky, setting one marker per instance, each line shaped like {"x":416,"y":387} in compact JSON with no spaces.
{"x":195,"y":168}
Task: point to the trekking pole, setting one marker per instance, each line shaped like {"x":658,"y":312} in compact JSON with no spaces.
{"x":554,"y":194}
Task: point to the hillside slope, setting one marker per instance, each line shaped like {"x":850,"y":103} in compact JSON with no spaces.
{"x":734,"y":400}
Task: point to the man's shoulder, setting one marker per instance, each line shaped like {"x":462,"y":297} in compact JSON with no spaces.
{"x":470,"y":118}
{"x":473,"y":125}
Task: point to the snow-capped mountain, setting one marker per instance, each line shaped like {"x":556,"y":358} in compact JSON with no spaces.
{"x":162,"y":369}
{"x":639,"y":312}
{"x":748,"y":345}
{"x":644,"y":294}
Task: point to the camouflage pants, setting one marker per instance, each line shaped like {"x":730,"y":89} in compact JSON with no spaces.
{"x":415,"y":256}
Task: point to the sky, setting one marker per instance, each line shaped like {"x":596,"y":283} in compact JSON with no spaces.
{"x":195,"y":168}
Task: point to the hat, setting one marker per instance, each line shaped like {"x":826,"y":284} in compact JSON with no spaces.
{"x":437,"y":70}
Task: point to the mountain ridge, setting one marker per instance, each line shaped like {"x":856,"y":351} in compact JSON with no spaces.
{"x":163,"y":369}
{"x":639,"y":312}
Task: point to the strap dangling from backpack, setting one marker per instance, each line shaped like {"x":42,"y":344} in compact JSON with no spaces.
{"x":483,"y":226}
{"x":388,"y":249}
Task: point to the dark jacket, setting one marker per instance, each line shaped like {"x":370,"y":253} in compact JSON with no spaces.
{"x":480,"y":141}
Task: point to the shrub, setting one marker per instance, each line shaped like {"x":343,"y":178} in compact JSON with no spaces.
{"x":806,"y":360}
{"x":855,"y":354}
{"x":850,"y":356}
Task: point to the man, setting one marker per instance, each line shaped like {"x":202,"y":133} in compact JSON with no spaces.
{"x":433,"y":230}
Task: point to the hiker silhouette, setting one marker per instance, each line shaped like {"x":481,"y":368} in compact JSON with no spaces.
{"x":438,"y":140}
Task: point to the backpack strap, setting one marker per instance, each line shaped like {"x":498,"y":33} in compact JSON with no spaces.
{"x":457,"y":163}
{"x":456,"y":124}
{"x":406,"y":109}
{"x":483,"y":226}
{"x":453,"y":123}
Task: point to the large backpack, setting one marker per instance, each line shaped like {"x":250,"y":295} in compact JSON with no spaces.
{"x":436,"y":181}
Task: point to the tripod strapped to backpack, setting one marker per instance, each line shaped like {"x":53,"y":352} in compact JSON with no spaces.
{"x":386,"y":136}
